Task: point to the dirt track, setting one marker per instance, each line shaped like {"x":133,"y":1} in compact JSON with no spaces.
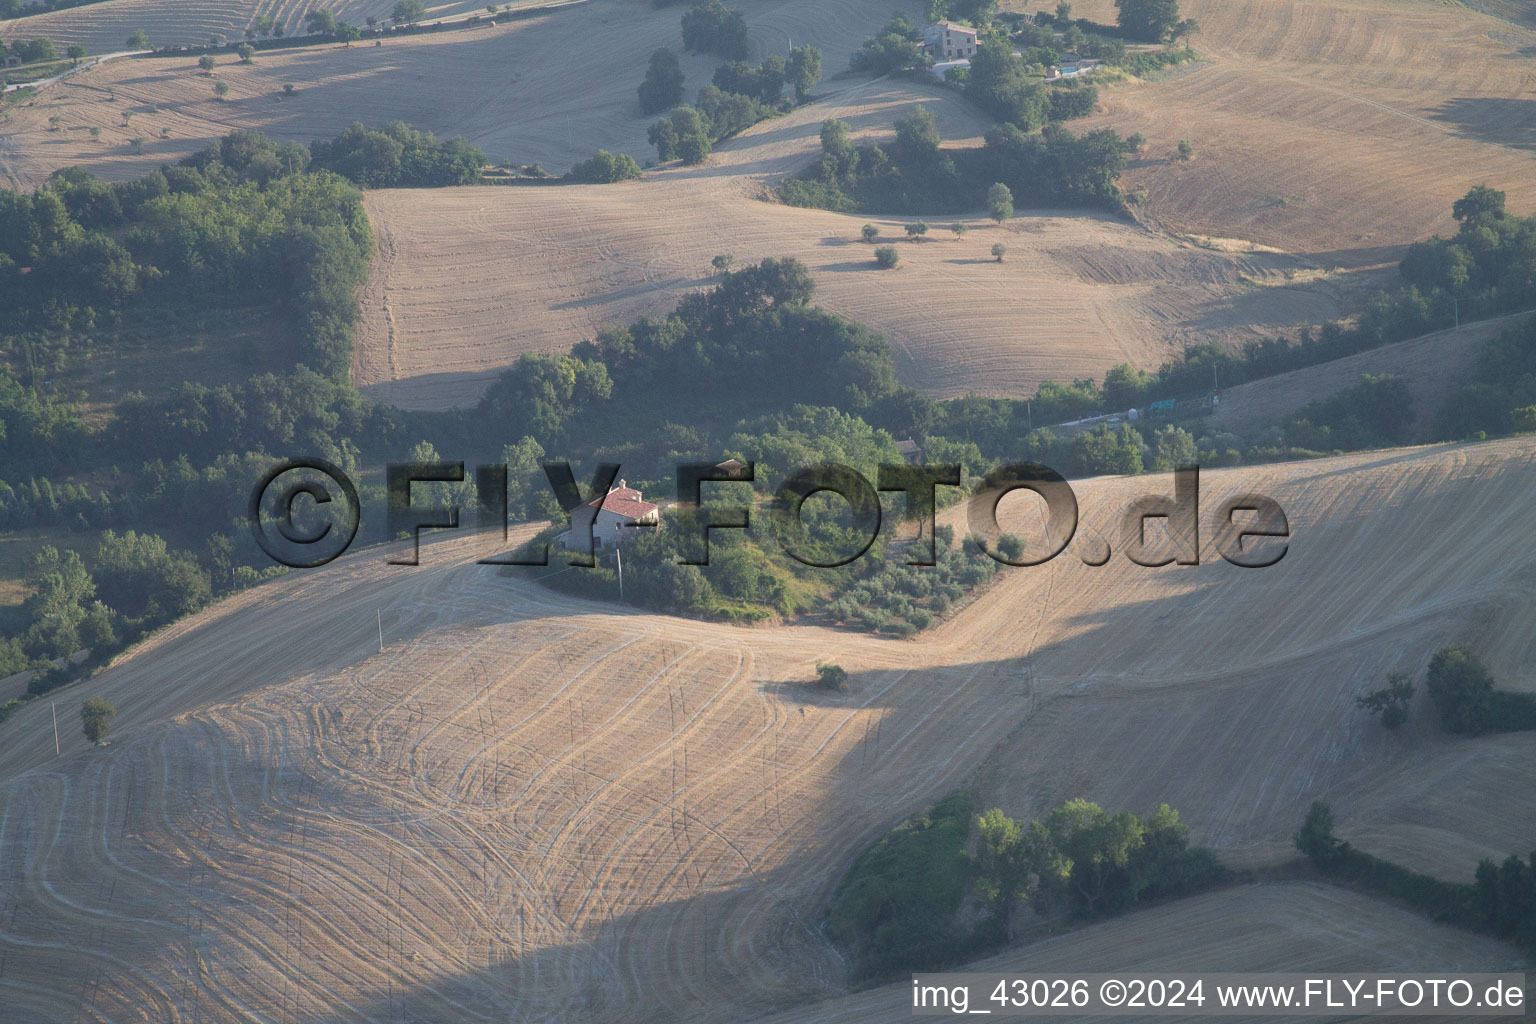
{"x":530,"y":802}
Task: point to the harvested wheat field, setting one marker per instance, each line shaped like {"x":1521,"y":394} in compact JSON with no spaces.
{"x":1339,"y":128}
{"x":531,"y":804}
{"x":1283,"y":927}
{"x":102,"y":27}
{"x":467,"y":279}
{"x":551,"y":88}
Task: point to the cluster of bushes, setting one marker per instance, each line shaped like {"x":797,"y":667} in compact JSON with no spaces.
{"x":1378,"y":412}
{"x":900,"y":906}
{"x":899,"y":45}
{"x":134,"y":584}
{"x":896,"y":908}
{"x":36,"y":502}
{"x":904,"y":599}
{"x":913,"y":175}
{"x":1501,"y":396}
{"x":663,"y":85}
{"x":604,"y":168}
{"x":36,"y":51}
{"x":242,"y":218}
{"x":23,"y":8}
{"x":711,"y":27}
{"x":1502,"y":900}
{"x":689,"y":133}
{"x":398,"y":156}
{"x":1461,"y":689}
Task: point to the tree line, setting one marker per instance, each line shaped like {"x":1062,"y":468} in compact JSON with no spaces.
{"x":916,"y":901}
{"x":915,"y":175}
{"x":1501,"y":901}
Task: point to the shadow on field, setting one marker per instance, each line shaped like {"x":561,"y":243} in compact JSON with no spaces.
{"x":1502,"y":121}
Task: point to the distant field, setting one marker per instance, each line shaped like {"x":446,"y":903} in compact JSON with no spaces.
{"x":1432,"y":366}
{"x":104,"y":27}
{"x":528,"y":801}
{"x":1338,"y":128}
{"x":550,"y":89}
{"x":466,"y":279}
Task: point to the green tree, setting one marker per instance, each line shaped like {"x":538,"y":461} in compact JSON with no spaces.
{"x":320,"y":22}
{"x":999,"y":202}
{"x":1186,"y":150}
{"x":999,"y":250}
{"x":831,"y":677}
{"x":605,"y":168}
{"x":1004,"y":865}
{"x":663,"y":85}
{"x":886,"y":256}
{"x":408,"y":12}
{"x":917,"y":229}
{"x":76,"y":53}
{"x":1173,"y":447}
{"x":1315,"y":838}
{"x":1480,"y":204}
{"x":1391,"y":701}
{"x":138,"y":41}
{"x":1461,"y":689}
{"x":722,"y":262}
{"x":206,"y":62}
{"x":221,"y":89}
{"x":60,"y":587}
{"x":1151,"y":21}
{"x":96,"y":718}
{"x":247,"y":52}
{"x":899,"y":45}
{"x":804,"y":70}
{"x":869,"y":233}
{"x":710,"y":27}
{"x":959,"y":228}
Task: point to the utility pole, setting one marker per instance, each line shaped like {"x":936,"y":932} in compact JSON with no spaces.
{"x":380,"y":613}
{"x":618,"y":557}
{"x":55,"y":705}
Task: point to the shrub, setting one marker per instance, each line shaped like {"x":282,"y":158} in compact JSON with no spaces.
{"x":869,"y":233}
{"x":1391,"y":701}
{"x":605,"y":168}
{"x":663,"y":85}
{"x":1315,"y":838}
{"x":999,"y":250}
{"x":1461,"y":689}
{"x":831,"y":677}
{"x":96,"y":718}
{"x":999,"y":202}
{"x":886,"y":257}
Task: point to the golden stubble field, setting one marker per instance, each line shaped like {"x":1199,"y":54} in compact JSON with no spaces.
{"x":1335,"y":131}
{"x":551,"y":88}
{"x":528,"y":804}
{"x":467,"y":279}
{"x":1339,"y":128}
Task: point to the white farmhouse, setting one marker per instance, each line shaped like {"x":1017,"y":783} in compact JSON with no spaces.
{"x":944,"y":40}
{"x":621,"y":514}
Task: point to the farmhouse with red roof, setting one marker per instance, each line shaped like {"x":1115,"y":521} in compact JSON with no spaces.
{"x":621,"y":514}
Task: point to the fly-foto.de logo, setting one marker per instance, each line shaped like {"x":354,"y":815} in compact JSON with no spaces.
{"x":1248,"y":530}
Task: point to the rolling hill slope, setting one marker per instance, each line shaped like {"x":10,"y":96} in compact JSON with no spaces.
{"x":530,"y":804}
